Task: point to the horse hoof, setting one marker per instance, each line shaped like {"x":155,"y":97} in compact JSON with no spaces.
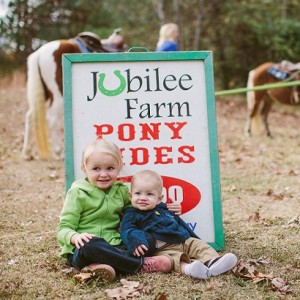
{"x":27,"y":157}
{"x":59,"y":156}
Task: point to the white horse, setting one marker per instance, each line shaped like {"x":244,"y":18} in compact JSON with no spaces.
{"x":44,"y":118}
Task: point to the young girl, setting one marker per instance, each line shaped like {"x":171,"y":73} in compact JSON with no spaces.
{"x":89,"y":222}
{"x":190,"y":255}
{"x":168,"y":38}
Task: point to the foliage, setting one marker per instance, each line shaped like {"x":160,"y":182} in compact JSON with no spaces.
{"x":242,"y":34}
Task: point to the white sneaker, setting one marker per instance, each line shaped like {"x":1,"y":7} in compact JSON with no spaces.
{"x":197,"y":269}
{"x":224,"y":264}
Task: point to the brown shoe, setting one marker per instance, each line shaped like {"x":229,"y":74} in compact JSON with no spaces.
{"x":157,"y":264}
{"x":102,"y":271}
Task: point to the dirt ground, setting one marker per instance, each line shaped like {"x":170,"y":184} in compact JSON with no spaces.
{"x":260,"y":180}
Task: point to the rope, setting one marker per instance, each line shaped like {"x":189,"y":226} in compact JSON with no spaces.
{"x":257,"y":88}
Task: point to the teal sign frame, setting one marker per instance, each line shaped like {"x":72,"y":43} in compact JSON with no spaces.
{"x":75,"y":66}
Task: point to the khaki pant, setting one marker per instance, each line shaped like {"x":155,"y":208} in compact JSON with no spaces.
{"x":191,"y":249}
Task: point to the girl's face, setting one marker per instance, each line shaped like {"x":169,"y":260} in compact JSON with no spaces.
{"x":175,"y":35}
{"x":101,"y":169}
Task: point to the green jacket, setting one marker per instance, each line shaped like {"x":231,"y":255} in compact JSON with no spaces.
{"x":89,"y":209}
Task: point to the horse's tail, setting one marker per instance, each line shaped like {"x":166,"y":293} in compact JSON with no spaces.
{"x":36,"y":98}
{"x":255,"y":122}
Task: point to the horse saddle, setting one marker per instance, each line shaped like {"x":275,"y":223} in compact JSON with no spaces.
{"x":284,"y":69}
{"x":89,"y":42}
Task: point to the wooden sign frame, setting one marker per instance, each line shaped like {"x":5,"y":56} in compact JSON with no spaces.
{"x":159,"y":108}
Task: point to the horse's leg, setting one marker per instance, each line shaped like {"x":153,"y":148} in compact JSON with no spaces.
{"x":35,"y":96}
{"x":255,"y":117}
{"x":36,"y":117}
{"x":265,"y":112}
{"x":255,"y":102}
{"x":55,"y":123}
{"x":27,"y":143}
{"x":49,"y":68}
{"x":250,"y":103}
{"x":248,"y":126}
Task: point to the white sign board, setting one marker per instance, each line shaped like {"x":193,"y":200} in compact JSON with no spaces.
{"x":159,"y":109}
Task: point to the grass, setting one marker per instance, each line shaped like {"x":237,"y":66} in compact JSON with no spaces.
{"x":32,"y":195}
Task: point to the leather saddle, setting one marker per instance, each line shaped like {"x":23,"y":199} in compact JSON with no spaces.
{"x":90,"y":42}
{"x":287,"y":66}
{"x":284,"y":69}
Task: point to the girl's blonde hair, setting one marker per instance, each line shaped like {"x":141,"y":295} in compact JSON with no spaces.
{"x":103,"y":146}
{"x":167,"y":33}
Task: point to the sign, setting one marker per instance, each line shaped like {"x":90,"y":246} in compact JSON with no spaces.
{"x":159,"y":108}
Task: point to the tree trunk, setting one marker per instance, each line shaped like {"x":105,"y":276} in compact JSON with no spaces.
{"x":159,"y":8}
{"x":198,"y":29}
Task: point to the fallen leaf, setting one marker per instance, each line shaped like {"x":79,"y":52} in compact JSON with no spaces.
{"x":279,"y":197}
{"x":83,"y":277}
{"x":261,"y":277}
{"x":293,"y":173}
{"x":129,"y":289}
{"x":162,"y":296}
{"x":231,"y":188}
{"x":247,"y":270}
{"x":119,"y":293}
{"x":254,"y":217}
{"x":279,"y":284}
{"x":53,"y":175}
{"x":129,"y":284}
{"x":286,"y":290}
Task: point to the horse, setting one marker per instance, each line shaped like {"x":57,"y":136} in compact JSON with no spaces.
{"x":45,"y":90}
{"x":259,"y":102}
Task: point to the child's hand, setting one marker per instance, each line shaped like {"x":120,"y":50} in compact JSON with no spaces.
{"x":140,"y":250}
{"x":174,"y":207}
{"x":78,"y":239}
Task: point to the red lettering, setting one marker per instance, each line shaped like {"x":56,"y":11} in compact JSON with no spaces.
{"x":160,"y":155}
{"x":187,"y":158}
{"x":130,"y":132}
{"x":142,"y":131}
{"x":176,"y":127}
{"x":139,"y":156}
{"x":146,"y":131}
{"x":103,"y":129}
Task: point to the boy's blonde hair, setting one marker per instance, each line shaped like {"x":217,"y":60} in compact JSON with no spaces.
{"x":144,"y":174}
{"x":104,"y":147}
{"x":167,"y":33}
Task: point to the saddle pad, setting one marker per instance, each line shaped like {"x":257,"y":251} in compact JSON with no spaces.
{"x":278,"y":73}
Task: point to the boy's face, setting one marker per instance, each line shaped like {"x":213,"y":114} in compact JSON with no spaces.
{"x":145,"y":193}
{"x":101,"y":169}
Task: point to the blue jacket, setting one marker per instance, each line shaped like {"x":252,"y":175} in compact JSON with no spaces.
{"x":162,"y":224}
{"x":168,"y":46}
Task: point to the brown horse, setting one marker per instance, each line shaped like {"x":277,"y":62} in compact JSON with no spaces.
{"x":259,"y":102}
{"x":44,"y":89}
